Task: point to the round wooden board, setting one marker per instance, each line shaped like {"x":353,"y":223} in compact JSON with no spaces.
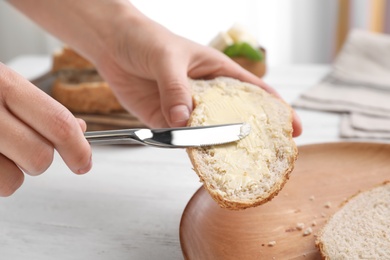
{"x":325,"y":175}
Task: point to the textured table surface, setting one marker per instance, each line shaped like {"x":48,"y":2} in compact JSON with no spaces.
{"x":130,"y":205}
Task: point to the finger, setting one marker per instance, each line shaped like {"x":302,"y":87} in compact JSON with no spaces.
{"x":49,"y":118}
{"x":82,"y":124}
{"x":226,"y":67}
{"x":297,"y":125}
{"x":175,"y":95}
{"x":145,"y":103}
{"x":23,"y":145}
{"x":11,"y":177}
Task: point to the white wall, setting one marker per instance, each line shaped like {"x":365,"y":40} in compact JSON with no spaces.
{"x":19,"y":36}
{"x":292,"y":31}
{"x":313,"y":31}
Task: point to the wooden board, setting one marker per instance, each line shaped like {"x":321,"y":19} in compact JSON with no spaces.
{"x":112,"y":121}
{"x":325,"y":175}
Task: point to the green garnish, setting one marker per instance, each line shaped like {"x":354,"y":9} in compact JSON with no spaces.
{"x":243,"y":49}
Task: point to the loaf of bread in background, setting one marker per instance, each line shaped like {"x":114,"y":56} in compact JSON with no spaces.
{"x":360,"y":229}
{"x":79,"y":87}
{"x":253,"y":170}
{"x":67,"y":59}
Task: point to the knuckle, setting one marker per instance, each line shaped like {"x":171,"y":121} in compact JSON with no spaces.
{"x":64,"y":125}
{"x":4,"y":93}
{"x":165,"y":50}
{"x":176,"y":88}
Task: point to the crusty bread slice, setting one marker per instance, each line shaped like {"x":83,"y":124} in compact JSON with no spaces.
{"x":253,"y":170}
{"x":84,"y":92}
{"x":79,"y":87}
{"x":360,"y":229}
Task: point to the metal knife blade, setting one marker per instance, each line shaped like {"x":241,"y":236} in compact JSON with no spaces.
{"x":182,"y":137}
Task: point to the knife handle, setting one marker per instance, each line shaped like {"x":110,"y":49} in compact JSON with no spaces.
{"x":123,"y":136}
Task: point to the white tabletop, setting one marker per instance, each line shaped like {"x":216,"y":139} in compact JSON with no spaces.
{"x":129,"y":206}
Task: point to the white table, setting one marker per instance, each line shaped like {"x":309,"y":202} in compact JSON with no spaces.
{"x":129,"y":206}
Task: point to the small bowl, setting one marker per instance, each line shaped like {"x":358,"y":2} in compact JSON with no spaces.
{"x":258,"y":68}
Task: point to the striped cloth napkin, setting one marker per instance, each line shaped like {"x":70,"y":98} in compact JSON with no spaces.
{"x":357,"y":86}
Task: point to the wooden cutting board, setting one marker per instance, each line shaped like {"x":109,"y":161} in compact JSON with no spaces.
{"x":325,"y":175}
{"x":112,"y":121}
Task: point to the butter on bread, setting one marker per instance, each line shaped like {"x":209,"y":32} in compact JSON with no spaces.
{"x":253,"y":170}
{"x":360,"y":229}
{"x":79,"y":87}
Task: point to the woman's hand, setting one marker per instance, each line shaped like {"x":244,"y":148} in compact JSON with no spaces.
{"x":32,"y":125}
{"x":146,"y":65}
{"x":148,"y":68}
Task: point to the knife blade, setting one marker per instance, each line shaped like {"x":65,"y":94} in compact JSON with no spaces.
{"x":181,"y":137}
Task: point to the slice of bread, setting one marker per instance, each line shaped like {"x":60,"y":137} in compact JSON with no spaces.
{"x":67,"y":59}
{"x":253,"y":170}
{"x":360,"y":229}
{"x":79,"y":87}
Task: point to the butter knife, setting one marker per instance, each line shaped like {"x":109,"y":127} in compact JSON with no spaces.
{"x":182,"y":137}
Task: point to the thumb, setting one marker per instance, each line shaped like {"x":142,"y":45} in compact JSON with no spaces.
{"x":175,"y":97}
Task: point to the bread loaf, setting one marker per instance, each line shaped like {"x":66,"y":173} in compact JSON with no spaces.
{"x":67,"y":59}
{"x":360,"y":229}
{"x":253,"y":170}
{"x":79,"y":87}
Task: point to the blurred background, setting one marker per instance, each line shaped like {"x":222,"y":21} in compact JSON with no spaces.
{"x":292,"y":31}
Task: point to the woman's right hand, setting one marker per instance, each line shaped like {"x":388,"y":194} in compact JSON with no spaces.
{"x":32,"y":126}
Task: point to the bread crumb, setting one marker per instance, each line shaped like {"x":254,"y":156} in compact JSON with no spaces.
{"x":307,"y":231}
{"x":314,"y":223}
{"x":300,"y":226}
{"x":245,"y":130}
{"x":272,"y":243}
{"x":312,"y":198}
{"x":328,"y":205}
{"x":290,"y":229}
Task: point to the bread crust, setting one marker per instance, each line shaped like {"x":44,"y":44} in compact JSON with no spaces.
{"x":321,"y":244}
{"x":86,"y":97}
{"x":237,"y":204}
{"x":68,"y":59}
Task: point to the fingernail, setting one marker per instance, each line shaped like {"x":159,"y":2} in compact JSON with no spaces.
{"x":179,"y":114}
{"x":86,"y":168}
